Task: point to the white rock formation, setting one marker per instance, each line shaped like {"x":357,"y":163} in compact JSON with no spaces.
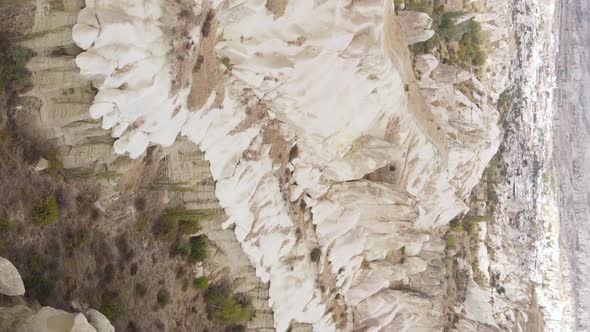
{"x":332,"y":85}
{"x":11,"y":283}
{"x":99,"y":321}
{"x":416,"y":26}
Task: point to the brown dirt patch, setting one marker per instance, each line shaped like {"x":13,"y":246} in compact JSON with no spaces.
{"x":277,"y":7}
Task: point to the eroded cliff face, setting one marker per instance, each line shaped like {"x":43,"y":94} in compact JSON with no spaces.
{"x":316,"y":135}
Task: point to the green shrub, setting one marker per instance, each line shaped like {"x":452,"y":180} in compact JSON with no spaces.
{"x":163,"y":297}
{"x":315,"y":255}
{"x":451,"y":241}
{"x":225,"y":307}
{"x":443,"y":23}
{"x":471,"y":45}
{"x":201,"y":283}
{"x":198,"y":246}
{"x":47,"y":212}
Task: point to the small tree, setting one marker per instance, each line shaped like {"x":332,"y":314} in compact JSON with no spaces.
{"x":47,"y":212}
{"x":198,"y":248}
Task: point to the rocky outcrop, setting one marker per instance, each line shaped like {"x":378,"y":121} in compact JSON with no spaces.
{"x":329,"y":89}
{"x":11,"y":283}
{"x":417,"y":26}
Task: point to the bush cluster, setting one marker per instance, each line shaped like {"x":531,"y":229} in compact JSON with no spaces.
{"x":469,"y":35}
{"x":226,"y":307}
{"x":47,"y":211}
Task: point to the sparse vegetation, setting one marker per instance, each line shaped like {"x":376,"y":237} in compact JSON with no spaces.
{"x":13,"y":61}
{"x":315,"y":255}
{"x":451,"y":241}
{"x":456,"y":226}
{"x":46,"y":212}
{"x":226,"y":307}
{"x":418,"y":5}
{"x":178,"y":222}
{"x":142,"y":222}
{"x":112,"y":307}
{"x":470,"y":223}
{"x":201,"y":283}
{"x":189,"y":221}
{"x":5,"y":226}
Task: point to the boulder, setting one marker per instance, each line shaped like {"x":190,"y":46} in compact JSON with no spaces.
{"x":416,"y":26}
{"x":99,"y":321}
{"x":42,"y":165}
{"x":11,"y":283}
{"x":49,"y":319}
